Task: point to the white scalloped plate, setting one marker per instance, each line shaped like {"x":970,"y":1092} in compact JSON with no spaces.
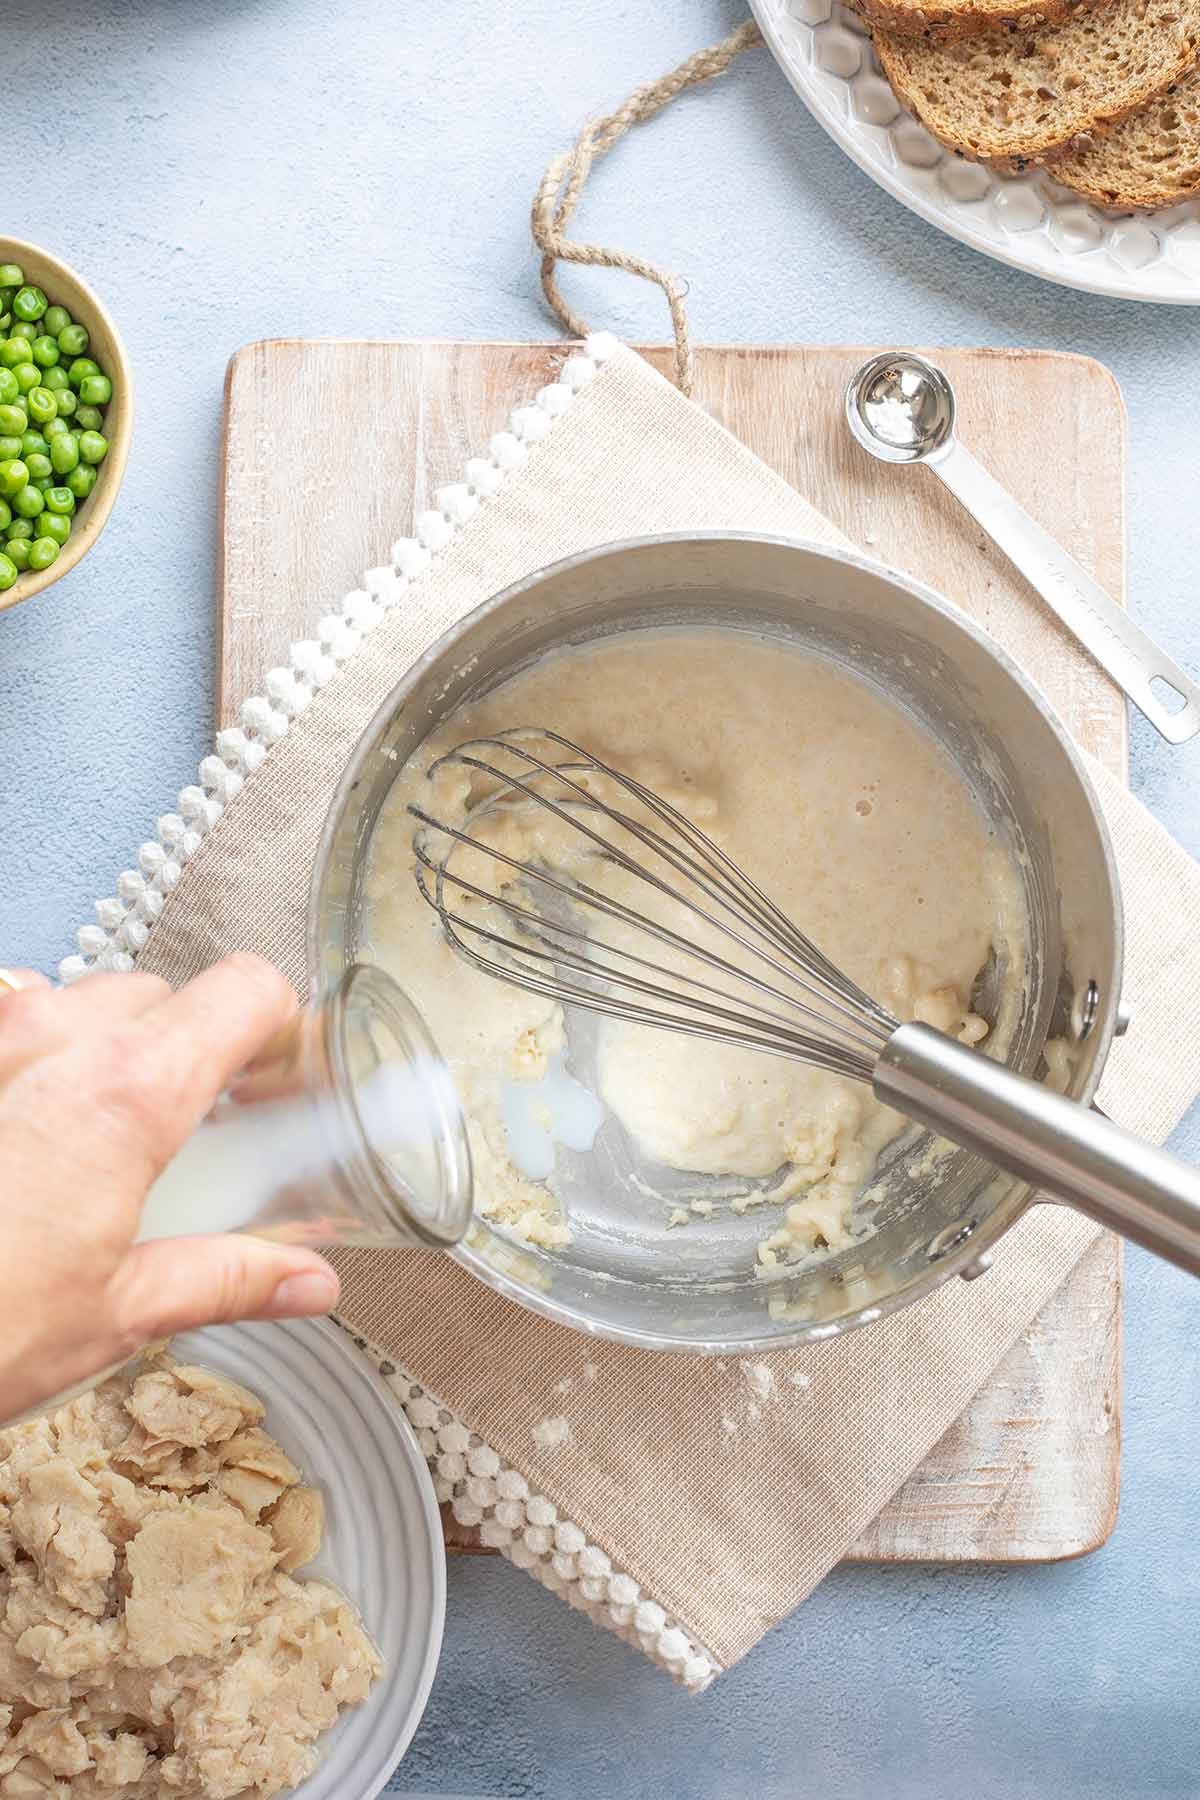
{"x":1028,"y":221}
{"x":337,"y":1418}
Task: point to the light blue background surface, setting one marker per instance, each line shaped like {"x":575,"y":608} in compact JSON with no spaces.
{"x":226,"y":170}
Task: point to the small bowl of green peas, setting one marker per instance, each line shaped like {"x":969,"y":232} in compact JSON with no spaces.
{"x":66,"y":417}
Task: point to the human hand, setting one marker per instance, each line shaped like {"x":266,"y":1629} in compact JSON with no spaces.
{"x":100,"y":1085}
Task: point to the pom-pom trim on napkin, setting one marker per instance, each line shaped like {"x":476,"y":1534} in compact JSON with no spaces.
{"x":123,"y":920}
{"x":482,"y":1488}
{"x":485,"y":1491}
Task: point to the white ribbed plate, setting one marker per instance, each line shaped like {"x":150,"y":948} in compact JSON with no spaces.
{"x":383,"y":1547}
{"x":1028,"y":221}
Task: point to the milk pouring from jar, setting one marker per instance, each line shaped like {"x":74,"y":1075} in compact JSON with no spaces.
{"x":345,"y":1129}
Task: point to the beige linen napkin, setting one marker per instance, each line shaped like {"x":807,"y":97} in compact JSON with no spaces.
{"x":693,"y":1504}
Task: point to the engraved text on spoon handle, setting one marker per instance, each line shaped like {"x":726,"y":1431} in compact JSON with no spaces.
{"x":1132,"y":658}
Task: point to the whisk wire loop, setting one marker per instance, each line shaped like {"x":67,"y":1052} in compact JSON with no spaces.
{"x":569,"y":963}
{"x":720,"y":879}
{"x":773,"y":1031}
{"x":578,"y":890}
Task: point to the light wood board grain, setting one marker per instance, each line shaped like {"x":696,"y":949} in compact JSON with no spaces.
{"x":332,"y":447}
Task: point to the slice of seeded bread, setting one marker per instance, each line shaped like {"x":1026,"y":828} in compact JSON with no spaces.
{"x":1028,"y":96}
{"x":939,"y":19}
{"x":1150,"y":161}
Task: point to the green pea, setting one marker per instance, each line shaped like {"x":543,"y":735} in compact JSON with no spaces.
{"x":5,"y":514}
{"x":64,"y":452}
{"x":81,"y":481}
{"x":93,"y":447}
{"x":11,"y":275}
{"x":95,"y":390}
{"x":12,"y":420}
{"x":10,"y":447}
{"x":13,"y":351}
{"x":17,"y":550}
{"x":53,"y":428}
{"x":30,"y":303}
{"x":42,"y":404}
{"x":13,"y":476}
{"x":57,"y":380}
{"x":60,"y":500}
{"x":55,"y":525}
{"x":68,"y":399}
{"x":88,"y":418}
{"x":28,"y":376}
{"x":8,"y":572}
{"x":73,"y":340}
{"x":57,"y":319}
{"x":80,"y":369}
{"x":34,"y":443}
{"x":39,"y":466}
{"x":24,"y":328}
{"x":20,"y":529}
{"x":8,"y":387}
{"x":45,"y":352}
{"x":28,"y":501}
{"x":43,"y":484}
{"x":42,"y":552}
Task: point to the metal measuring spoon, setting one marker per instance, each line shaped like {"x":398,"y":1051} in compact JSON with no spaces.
{"x":902,"y":410}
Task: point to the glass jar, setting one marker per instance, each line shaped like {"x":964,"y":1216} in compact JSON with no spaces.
{"x":345,"y":1129}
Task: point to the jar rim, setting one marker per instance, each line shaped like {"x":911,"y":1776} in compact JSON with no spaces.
{"x":372,"y":1025}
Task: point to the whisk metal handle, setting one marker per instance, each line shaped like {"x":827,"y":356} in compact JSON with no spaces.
{"x":1068,"y":1152}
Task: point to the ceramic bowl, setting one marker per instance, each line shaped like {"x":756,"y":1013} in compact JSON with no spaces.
{"x":345,"y":1428}
{"x":65,"y":288}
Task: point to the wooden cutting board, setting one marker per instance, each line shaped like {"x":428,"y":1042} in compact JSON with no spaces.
{"x":331,"y":448}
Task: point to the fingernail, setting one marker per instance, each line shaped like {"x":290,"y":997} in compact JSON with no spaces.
{"x":299,"y":1295}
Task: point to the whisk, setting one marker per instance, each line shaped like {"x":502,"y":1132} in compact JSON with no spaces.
{"x":724,"y":962}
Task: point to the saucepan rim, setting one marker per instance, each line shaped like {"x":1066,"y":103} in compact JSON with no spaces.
{"x":960,"y":1259}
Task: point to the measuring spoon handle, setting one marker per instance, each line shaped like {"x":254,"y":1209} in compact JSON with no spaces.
{"x":1121,"y":648}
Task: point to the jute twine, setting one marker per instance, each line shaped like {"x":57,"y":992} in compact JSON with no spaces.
{"x":562,"y":185}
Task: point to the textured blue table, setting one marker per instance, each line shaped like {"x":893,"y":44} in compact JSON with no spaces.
{"x":253,"y":168}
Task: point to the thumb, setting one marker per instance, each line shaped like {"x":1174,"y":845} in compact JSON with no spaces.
{"x":178,"y":1284}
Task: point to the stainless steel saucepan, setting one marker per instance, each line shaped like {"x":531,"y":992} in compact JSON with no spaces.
{"x":623,"y":1276}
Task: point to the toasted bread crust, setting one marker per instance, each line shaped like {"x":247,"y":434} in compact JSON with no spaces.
{"x":962,"y":18}
{"x":1061,"y":129}
{"x":1127,"y":200}
{"x":1150,"y":162}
